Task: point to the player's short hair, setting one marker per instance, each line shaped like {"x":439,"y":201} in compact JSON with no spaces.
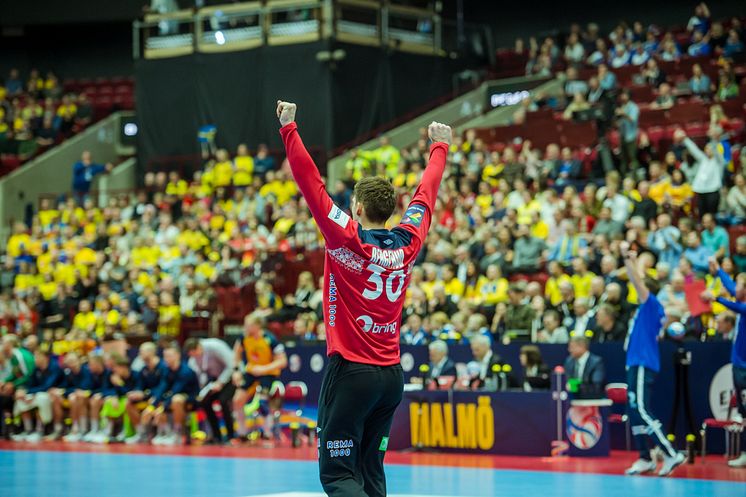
{"x":191,"y":345}
{"x":377,"y":196}
{"x":120,"y":360}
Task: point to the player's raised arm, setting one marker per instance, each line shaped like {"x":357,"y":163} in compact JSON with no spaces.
{"x":630,"y":262}
{"x":420,"y":210}
{"x":334,"y":223}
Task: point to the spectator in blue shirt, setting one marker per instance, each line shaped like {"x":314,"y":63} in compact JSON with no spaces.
{"x":263,"y":162}
{"x":651,"y":44}
{"x":699,"y":83}
{"x":700,"y":21}
{"x":733,"y":44}
{"x":606,"y":78}
{"x":83,"y":173}
{"x":700,"y":46}
{"x":715,"y":237}
{"x":628,"y":114}
{"x":13,"y":85}
{"x":697,"y":254}
{"x":665,"y":241}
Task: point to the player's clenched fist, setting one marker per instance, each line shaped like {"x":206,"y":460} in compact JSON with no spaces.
{"x":286,"y":112}
{"x":439,"y":132}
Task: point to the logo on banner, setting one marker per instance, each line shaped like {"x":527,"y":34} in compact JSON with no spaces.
{"x":461,"y":426}
{"x":584,"y":426}
{"x":721,"y":387}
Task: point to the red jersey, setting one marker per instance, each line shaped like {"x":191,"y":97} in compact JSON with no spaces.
{"x":366,"y":272}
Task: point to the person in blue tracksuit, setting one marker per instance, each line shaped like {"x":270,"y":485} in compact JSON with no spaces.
{"x":76,"y":389}
{"x":176,"y":394}
{"x":148,"y":380}
{"x":99,"y":377}
{"x":738,"y":353}
{"x":643,"y":365}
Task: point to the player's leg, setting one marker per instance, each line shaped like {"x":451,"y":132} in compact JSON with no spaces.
{"x":225,"y":399}
{"x":74,"y":400}
{"x":348,"y":396}
{"x":95,"y":404}
{"x":672,"y":458}
{"x":58,"y":413}
{"x":639,"y":428}
{"x":178,"y":413}
{"x":739,"y":381}
{"x":376,"y":432}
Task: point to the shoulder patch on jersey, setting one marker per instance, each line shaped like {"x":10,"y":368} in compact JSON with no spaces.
{"x":414,"y":215}
{"x":339,"y":216}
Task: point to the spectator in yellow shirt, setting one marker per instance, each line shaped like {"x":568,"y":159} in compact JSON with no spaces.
{"x":169,"y":316}
{"x":557,"y":276}
{"x":223,"y":169}
{"x":85,"y":319}
{"x":581,"y":278}
{"x":452,"y":285}
{"x":19,"y":241}
{"x":678,"y":192}
{"x":387,"y":156}
{"x":176,"y":186}
{"x":491,"y":288}
{"x":244,"y":167}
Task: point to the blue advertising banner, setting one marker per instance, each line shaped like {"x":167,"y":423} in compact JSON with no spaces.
{"x":709,"y":391}
{"x":517,"y":423}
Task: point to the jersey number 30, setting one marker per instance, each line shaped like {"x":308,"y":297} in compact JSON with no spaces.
{"x":377,"y":279}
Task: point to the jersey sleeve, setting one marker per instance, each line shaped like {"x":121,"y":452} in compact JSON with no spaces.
{"x":728,"y":282}
{"x":334,"y":223}
{"x":419,"y":212}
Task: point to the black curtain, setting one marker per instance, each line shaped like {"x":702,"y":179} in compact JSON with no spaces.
{"x":237,"y":92}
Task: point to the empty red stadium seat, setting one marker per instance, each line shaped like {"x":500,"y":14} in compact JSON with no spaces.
{"x":641,"y":93}
{"x":653,"y":117}
{"x":655,"y":134}
{"x":578,"y":135}
{"x":687,"y":112}
{"x":105,"y":90}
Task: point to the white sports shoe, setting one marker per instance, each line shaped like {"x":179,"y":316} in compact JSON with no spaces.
{"x":19,"y":437}
{"x":158,"y":439}
{"x":101,"y":438}
{"x":72,"y":437}
{"x":172,"y":439}
{"x":740,"y":462}
{"x":34,"y":437}
{"x":135,"y":439}
{"x":121,"y":437}
{"x":55,"y":435}
{"x":90,"y":436}
{"x":641,"y":466}
{"x":671,"y":463}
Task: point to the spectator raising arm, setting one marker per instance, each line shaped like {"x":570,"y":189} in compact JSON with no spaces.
{"x":630,"y":262}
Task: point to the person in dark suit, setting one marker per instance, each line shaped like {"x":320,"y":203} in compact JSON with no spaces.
{"x":535,"y":372}
{"x":588,"y":368}
{"x":484,"y":362}
{"x":440,"y":363}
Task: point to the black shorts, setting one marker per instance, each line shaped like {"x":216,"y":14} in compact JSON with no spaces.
{"x":356,"y":409}
{"x":739,"y":382}
{"x":264,"y":381}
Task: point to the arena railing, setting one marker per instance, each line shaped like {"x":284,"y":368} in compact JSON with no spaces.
{"x":243,"y":26}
